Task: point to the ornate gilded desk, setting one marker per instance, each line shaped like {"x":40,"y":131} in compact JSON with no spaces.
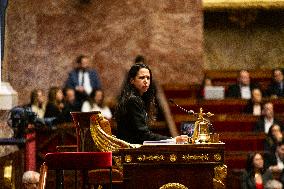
{"x":192,"y":165}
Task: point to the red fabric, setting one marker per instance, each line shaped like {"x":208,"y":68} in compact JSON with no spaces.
{"x":259,"y":186}
{"x":78,"y":160}
{"x":30,"y":152}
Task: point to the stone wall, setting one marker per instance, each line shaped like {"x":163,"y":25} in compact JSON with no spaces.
{"x":44,"y":37}
{"x":252,"y":39}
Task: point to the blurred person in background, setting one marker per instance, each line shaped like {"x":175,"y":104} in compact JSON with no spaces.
{"x":267,"y":119}
{"x":273,"y":137}
{"x":255,"y":176}
{"x":38,"y":102}
{"x":254,"y":105}
{"x":83,"y":79}
{"x":30,"y":180}
{"x":273,"y":184}
{"x":276,"y":88}
{"x":242,"y":89}
{"x":55,"y":107}
{"x":71,"y":105}
{"x":96,"y":103}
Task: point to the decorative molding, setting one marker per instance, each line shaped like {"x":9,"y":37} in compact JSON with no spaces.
{"x":242,"y":4}
{"x":151,"y":158}
{"x":202,"y":157}
{"x":219,"y":181}
{"x":173,"y":185}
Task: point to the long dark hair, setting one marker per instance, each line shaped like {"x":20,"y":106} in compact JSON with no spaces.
{"x":34,"y":96}
{"x":129,"y":90}
{"x":250,"y":166}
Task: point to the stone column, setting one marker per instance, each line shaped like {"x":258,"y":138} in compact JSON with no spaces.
{"x":8,"y":96}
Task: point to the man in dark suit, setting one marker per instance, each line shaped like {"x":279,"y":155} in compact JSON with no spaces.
{"x":83,"y":79}
{"x":242,"y":89}
{"x":275,"y":161}
{"x":276,"y":88}
{"x":267,"y":119}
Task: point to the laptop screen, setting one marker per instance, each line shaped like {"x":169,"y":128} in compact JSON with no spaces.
{"x":214,"y":92}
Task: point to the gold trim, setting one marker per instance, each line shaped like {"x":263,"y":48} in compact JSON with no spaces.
{"x":151,"y":158}
{"x":217,"y":157}
{"x":242,"y":4}
{"x":202,"y":157}
{"x":173,"y":157}
{"x":220,"y":172}
{"x":128,"y":158}
{"x":173,"y":186}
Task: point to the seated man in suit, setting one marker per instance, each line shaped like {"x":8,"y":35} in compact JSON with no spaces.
{"x":83,"y":79}
{"x":275,"y":161}
{"x":254,"y":105}
{"x":267,"y":119}
{"x":242,"y":89}
{"x":276,"y":88}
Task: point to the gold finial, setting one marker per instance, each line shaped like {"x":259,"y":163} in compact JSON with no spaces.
{"x":201,"y":114}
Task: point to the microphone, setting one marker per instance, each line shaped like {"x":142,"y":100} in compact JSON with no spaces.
{"x":190,"y":112}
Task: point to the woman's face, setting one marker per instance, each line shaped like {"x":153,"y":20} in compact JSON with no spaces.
{"x":99,"y":97}
{"x":256,"y":96}
{"x":59,"y":95}
{"x":40,"y":97}
{"x":275,"y":130}
{"x":142,"y":80}
{"x":258,"y":161}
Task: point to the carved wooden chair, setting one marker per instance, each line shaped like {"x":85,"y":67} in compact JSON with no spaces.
{"x":75,"y":161}
{"x":85,"y":143}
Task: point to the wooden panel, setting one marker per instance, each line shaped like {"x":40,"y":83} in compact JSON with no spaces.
{"x":243,"y":141}
{"x":171,"y":164}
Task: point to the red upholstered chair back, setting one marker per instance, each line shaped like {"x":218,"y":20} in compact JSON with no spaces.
{"x":78,"y":160}
{"x":81,"y":121}
{"x":75,"y":161}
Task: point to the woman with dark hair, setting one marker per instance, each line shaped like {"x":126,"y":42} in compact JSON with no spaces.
{"x":55,"y":106}
{"x":136,"y":108}
{"x":96,"y":103}
{"x":38,"y":102}
{"x":274,"y":137}
{"x":255,"y":176}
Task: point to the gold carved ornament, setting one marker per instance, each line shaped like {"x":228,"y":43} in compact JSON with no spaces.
{"x":173,"y":186}
{"x":201,"y":127}
{"x":151,"y":158}
{"x":107,"y":142}
{"x":220,"y":176}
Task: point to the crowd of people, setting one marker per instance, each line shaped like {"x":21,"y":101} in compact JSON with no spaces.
{"x":261,"y":167}
{"x":81,"y":92}
{"x":135,"y":109}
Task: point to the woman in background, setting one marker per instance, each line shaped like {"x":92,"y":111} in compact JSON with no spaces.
{"x":38,"y":102}
{"x":255,"y":177}
{"x":55,"y":106}
{"x":96,"y":103}
{"x":254,"y":105}
{"x":274,"y":137}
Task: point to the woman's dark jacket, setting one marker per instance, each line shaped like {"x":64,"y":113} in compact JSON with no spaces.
{"x":132,"y":126}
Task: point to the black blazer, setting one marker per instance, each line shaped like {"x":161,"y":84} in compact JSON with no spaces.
{"x":259,"y":126}
{"x":248,"y":109}
{"x":234,"y":91}
{"x":73,"y":79}
{"x":269,"y":160}
{"x":274,"y":89}
{"x":248,"y":182}
{"x":132,"y":127}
